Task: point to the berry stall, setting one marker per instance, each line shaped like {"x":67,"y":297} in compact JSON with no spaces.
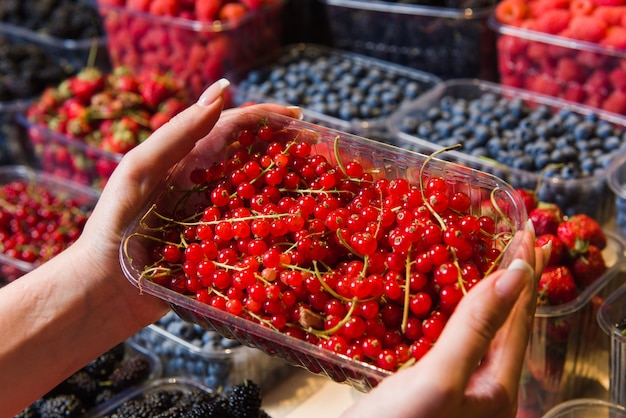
{"x":316,"y":257}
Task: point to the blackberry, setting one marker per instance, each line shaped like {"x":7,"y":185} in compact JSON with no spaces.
{"x":129,"y":372}
{"x":83,"y":385}
{"x":134,"y":408}
{"x":62,"y":406}
{"x":105,"y":363}
{"x":244,"y":400}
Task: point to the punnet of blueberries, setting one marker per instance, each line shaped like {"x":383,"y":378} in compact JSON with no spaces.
{"x":523,"y":140}
{"x":338,"y":86}
{"x":186,"y":349}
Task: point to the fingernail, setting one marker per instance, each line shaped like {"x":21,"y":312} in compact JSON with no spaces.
{"x":512,"y":281}
{"x":529,"y":226}
{"x":297,"y":112}
{"x":547,"y":250}
{"x":213,"y":92}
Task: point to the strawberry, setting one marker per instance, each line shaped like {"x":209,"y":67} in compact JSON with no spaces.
{"x":155,"y":88}
{"x":588,"y":267}
{"x":546,"y":218}
{"x":556,"y":286}
{"x":86,"y":83}
{"x":579,"y":232}
{"x":615,"y":102}
{"x":158,"y":119}
{"x":556,"y":256}
{"x":529,"y":197}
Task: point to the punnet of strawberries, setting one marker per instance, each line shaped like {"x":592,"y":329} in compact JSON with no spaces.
{"x":80,"y":128}
{"x":346,"y":245}
{"x":576,"y":260}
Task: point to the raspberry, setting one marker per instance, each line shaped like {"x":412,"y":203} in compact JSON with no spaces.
{"x":568,"y":70}
{"x":544,"y":84}
{"x":611,"y":15}
{"x":616,"y":102}
{"x":539,"y":7}
{"x":511,"y":12}
{"x":609,"y":2}
{"x":582,"y":7}
{"x":553,"y":21}
{"x":574,"y":92}
{"x":139,"y":5}
{"x":617,"y":78}
{"x":587,"y":28}
{"x":615,"y":38}
{"x":164,"y":7}
{"x":206,"y":10}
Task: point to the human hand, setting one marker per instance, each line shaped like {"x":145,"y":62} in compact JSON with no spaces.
{"x":474,"y":368}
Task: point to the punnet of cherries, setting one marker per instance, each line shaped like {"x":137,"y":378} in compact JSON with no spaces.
{"x":323,"y":246}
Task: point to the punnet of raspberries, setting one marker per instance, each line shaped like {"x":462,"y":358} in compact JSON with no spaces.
{"x":201,"y":10}
{"x":571,"y":49}
{"x":293,"y":231}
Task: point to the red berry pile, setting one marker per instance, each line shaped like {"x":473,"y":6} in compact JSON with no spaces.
{"x":576,"y":260}
{"x":327,"y":249}
{"x":591,"y":73}
{"x":198,"y":41}
{"x":105,"y":114}
{"x":564,"y":329}
{"x":37,"y":223}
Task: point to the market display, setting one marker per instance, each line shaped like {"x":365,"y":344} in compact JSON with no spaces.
{"x":300,"y":243}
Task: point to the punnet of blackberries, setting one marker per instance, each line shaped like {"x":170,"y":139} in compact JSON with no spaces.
{"x":241,"y":401}
{"x":112,"y":372}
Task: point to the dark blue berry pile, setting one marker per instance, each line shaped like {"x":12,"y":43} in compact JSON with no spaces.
{"x":339,"y":86}
{"x":520,"y":141}
{"x":186,"y":349}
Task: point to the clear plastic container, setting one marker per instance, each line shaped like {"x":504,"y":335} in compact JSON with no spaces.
{"x":215,"y":368}
{"x":78,"y":53}
{"x":387,"y":161}
{"x":590,"y":194}
{"x":612,"y":319}
{"x":66,"y":157}
{"x":586,"y":408}
{"x":176,"y":384}
{"x":13,"y":268}
{"x":195,"y":53}
{"x":13,"y":138}
{"x":299,"y":75}
{"x":532,"y":60}
{"x":617,"y":182}
{"x":450,"y":42}
{"x":568,"y":352}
